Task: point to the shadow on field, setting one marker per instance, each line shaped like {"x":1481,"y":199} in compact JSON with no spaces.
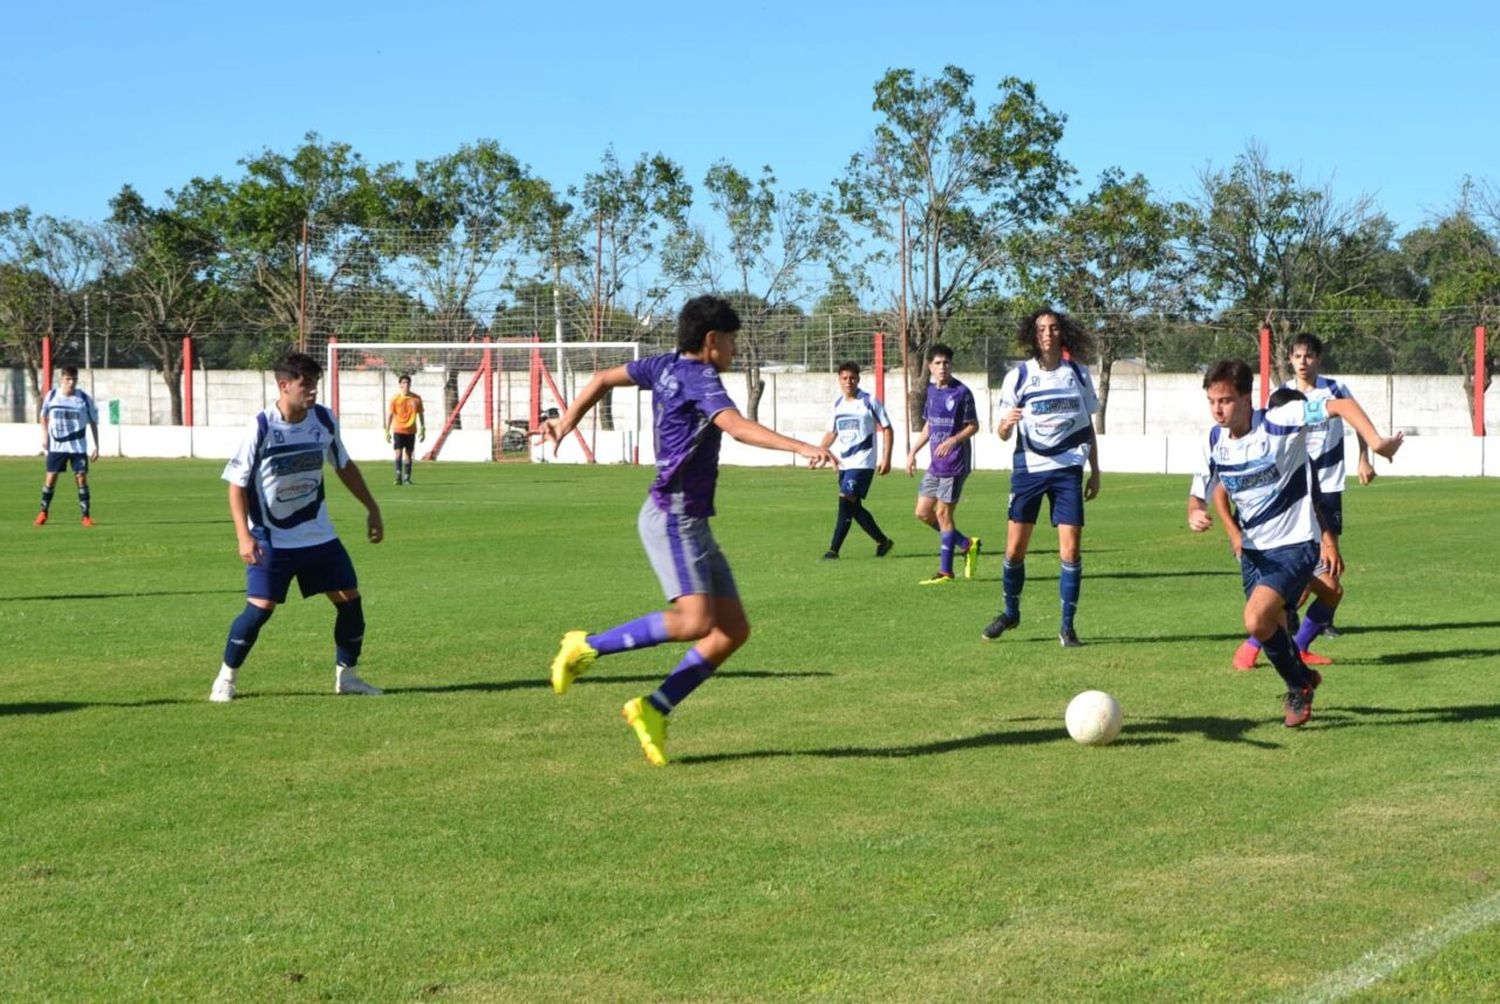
{"x":542,"y":683}
{"x":58,"y":707}
{"x":1150,"y":732}
{"x":121,"y":596}
{"x":1345,"y":716}
{"x":1428,"y":626}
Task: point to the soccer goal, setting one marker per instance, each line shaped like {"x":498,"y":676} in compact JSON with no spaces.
{"x":486,"y":400}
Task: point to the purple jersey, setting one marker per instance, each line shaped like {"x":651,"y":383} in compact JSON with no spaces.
{"x":685,"y":396}
{"x":949,"y":409}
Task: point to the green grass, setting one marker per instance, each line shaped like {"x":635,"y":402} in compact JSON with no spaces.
{"x":867,"y":803}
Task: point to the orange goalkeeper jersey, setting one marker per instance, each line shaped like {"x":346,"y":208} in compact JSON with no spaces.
{"x":404,"y":411}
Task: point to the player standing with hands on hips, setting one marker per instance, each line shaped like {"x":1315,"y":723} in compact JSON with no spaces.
{"x":691,"y":412}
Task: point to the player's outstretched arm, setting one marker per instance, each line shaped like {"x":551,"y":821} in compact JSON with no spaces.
{"x":750,"y":433}
{"x":555,"y":429}
{"x":355,"y":481}
{"x":1350,"y":411}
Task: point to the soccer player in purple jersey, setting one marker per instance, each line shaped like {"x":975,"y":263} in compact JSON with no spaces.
{"x":1261,"y":460}
{"x":691,"y":412}
{"x":950,"y":421}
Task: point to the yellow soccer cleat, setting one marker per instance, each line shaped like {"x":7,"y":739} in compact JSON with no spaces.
{"x":574,"y":657}
{"x":650,"y":728}
{"x":971,"y":558}
{"x":938,"y":579}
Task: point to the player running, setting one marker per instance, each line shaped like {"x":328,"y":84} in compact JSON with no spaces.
{"x":1261,"y":459}
{"x":690,"y":412}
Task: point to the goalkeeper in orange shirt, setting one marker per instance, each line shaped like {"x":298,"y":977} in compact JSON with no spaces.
{"x":404,"y":425}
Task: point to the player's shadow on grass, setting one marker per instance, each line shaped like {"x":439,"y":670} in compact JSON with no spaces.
{"x":59,"y":707}
{"x":1424,"y":627}
{"x":1148,"y":732}
{"x":121,"y":596}
{"x":1366,"y":716}
{"x":542,"y":683}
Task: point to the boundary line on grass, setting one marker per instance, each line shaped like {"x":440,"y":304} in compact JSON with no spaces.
{"x":1379,"y":964}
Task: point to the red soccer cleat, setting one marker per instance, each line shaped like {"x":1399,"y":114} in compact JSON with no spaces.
{"x":1314,"y":659}
{"x":88,"y":521}
{"x":41,"y":518}
{"x":1298,"y":707}
{"x":1245,"y":656}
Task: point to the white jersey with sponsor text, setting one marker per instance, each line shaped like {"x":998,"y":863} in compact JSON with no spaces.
{"x":854,"y":425}
{"x":1055,"y":431}
{"x":281,"y":463}
{"x":68,"y":418}
{"x":1325,"y":442}
{"x":1267,"y":474}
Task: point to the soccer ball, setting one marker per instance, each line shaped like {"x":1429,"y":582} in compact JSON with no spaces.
{"x":1093,"y":718}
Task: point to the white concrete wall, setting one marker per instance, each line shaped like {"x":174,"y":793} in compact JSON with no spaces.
{"x":1156,"y":421}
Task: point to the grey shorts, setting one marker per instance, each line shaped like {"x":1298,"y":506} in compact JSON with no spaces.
{"x":943,"y":489}
{"x":684,"y":554}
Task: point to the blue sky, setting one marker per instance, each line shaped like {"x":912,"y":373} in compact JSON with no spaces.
{"x":1381,"y":98}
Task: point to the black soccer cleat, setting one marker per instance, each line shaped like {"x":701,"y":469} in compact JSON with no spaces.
{"x":1068,"y":638}
{"x":829,"y":555}
{"x":884,"y":547}
{"x":997,"y":627}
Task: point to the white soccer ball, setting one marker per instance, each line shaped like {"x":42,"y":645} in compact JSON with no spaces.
{"x":1093,"y":718}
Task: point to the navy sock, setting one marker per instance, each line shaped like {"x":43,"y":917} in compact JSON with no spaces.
{"x":398,"y":465}
{"x":1012,"y":581}
{"x":1069,"y":584}
{"x":408,"y":470}
{"x":47,"y":498}
{"x":1283,"y":656}
{"x":348,"y":631}
{"x":643,"y":632}
{"x":243,"y":632}
{"x":83,"y":500}
{"x":865,"y":520}
{"x":690,"y":672}
{"x":841,"y":525}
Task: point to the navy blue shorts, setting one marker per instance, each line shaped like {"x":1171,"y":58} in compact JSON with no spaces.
{"x":404,"y":441}
{"x":1287,"y":570}
{"x":317,"y":569}
{"x":58,"y":462}
{"x":1062,"y":488}
{"x":1331,"y":508}
{"x":855,"y":484}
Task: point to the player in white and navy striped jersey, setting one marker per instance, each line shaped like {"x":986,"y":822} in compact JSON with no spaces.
{"x":857,"y":417}
{"x":1049,"y":403}
{"x":68,"y":413}
{"x":276,"y":501}
{"x":1261,"y":460}
{"x":1325,"y":449}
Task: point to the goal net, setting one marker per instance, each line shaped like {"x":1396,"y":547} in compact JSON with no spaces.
{"x":486,"y":400}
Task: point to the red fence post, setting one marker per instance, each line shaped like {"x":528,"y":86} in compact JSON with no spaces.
{"x":489,"y":387}
{"x":1265,"y":364}
{"x":46,"y":364}
{"x":187,"y":381}
{"x":1479,"y":374}
{"x":333,"y":373}
{"x":880,"y":366}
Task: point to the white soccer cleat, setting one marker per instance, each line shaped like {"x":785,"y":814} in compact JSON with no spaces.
{"x":346,"y":681}
{"x":223,"y":689}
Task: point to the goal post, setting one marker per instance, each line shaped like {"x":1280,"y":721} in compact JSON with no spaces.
{"x":486,"y":400}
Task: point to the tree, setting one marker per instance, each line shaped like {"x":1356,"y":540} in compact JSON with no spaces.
{"x":1117,"y":260}
{"x":1273,"y":248}
{"x":46,"y":265}
{"x":774,"y":237}
{"x":969,"y":182}
{"x":638,"y":216}
{"x":160,"y":265}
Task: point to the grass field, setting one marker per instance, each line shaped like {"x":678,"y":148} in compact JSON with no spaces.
{"x":867,"y":803}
